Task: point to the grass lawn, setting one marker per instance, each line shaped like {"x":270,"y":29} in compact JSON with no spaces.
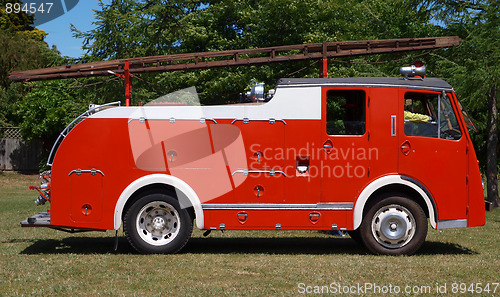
{"x":46,"y":262}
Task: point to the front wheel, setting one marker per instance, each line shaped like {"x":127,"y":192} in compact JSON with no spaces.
{"x":156,"y":224}
{"x":394,"y":226}
{"x":355,"y":235}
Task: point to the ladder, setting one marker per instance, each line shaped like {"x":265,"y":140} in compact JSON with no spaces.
{"x":125,"y":68}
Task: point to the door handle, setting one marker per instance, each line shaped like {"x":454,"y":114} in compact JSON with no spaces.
{"x":406,"y":148}
{"x":328,"y":146}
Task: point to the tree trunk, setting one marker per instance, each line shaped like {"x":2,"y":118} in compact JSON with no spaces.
{"x":491,"y":149}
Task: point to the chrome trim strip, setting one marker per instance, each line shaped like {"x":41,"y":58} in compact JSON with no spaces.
{"x":203,"y":120}
{"x":266,"y":206}
{"x":172,"y":120}
{"x":271,"y":172}
{"x":71,"y":125}
{"x":273,"y":120}
{"x":247,"y":120}
{"x":335,"y":205}
{"x":361,"y":85}
{"x":449,"y":224}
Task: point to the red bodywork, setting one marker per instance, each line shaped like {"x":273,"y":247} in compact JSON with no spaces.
{"x":341,"y":169}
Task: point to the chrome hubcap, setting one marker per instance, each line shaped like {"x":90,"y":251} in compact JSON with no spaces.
{"x":393,"y":226}
{"x":158,"y":223}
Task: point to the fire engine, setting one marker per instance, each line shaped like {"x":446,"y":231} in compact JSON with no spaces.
{"x":377,"y":157}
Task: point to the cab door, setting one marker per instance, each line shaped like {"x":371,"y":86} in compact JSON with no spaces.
{"x":432,"y":149}
{"x":345,"y":152}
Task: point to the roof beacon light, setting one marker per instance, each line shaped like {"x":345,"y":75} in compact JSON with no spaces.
{"x":412,"y":71}
{"x":256,"y":93}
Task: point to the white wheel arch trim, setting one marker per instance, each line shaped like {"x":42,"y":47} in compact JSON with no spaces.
{"x":385,"y":181}
{"x":173,"y":181}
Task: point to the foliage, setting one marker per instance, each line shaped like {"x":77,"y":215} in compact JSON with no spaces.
{"x":45,"y":111}
{"x":22,"y":48}
{"x":14,"y":21}
{"x":133,"y":28}
{"x":19,"y":22}
{"x":473,"y":69}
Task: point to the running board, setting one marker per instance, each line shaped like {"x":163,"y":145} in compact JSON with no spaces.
{"x":43,"y":220}
{"x":39,"y":220}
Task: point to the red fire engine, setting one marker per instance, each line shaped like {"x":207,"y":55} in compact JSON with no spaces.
{"x":376,"y":157}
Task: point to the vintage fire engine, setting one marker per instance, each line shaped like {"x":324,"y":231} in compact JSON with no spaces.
{"x":376,"y":157}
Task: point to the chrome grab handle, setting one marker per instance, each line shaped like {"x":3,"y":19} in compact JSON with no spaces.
{"x":327,"y":145}
{"x":393,"y":125}
{"x":405,"y":147}
{"x":92,"y":171}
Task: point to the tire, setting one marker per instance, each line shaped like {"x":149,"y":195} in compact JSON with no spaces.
{"x":355,"y":235}
{"x":395,"y":225}
{"x":155,"y":224}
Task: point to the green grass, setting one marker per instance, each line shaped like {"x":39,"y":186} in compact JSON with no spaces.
{"x":46,"y":262}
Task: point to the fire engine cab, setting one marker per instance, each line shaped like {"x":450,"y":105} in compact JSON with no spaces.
{"x":377,"y":157}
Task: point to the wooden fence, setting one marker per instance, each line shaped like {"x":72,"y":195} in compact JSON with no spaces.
{"x":16,"y":154}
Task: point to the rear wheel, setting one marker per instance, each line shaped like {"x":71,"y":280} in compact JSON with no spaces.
{"x":155,"y":223}
{"x":394,"y":226}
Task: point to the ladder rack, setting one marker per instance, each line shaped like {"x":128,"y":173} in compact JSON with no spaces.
{"x":256,"y":56}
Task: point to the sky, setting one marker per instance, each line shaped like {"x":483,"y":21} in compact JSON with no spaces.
{"x":59,"y":32}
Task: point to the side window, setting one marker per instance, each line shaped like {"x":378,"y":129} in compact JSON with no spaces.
{"x":430,"y":115}
{"x":345,"y":112}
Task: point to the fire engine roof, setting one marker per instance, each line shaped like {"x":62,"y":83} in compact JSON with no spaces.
{"x":394,"y":82}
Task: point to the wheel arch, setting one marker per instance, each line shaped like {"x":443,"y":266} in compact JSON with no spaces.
{"x":186,"y":195}
{"x":395,"y":183}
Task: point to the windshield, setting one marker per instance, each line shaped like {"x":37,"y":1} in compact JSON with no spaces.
{"x":468,"y":121}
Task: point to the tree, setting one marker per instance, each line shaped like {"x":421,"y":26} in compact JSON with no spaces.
{"x":131,"y":28}
{"x":482,"y":47}
{"x":22,"y":48}
{"x":474,"y":69}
